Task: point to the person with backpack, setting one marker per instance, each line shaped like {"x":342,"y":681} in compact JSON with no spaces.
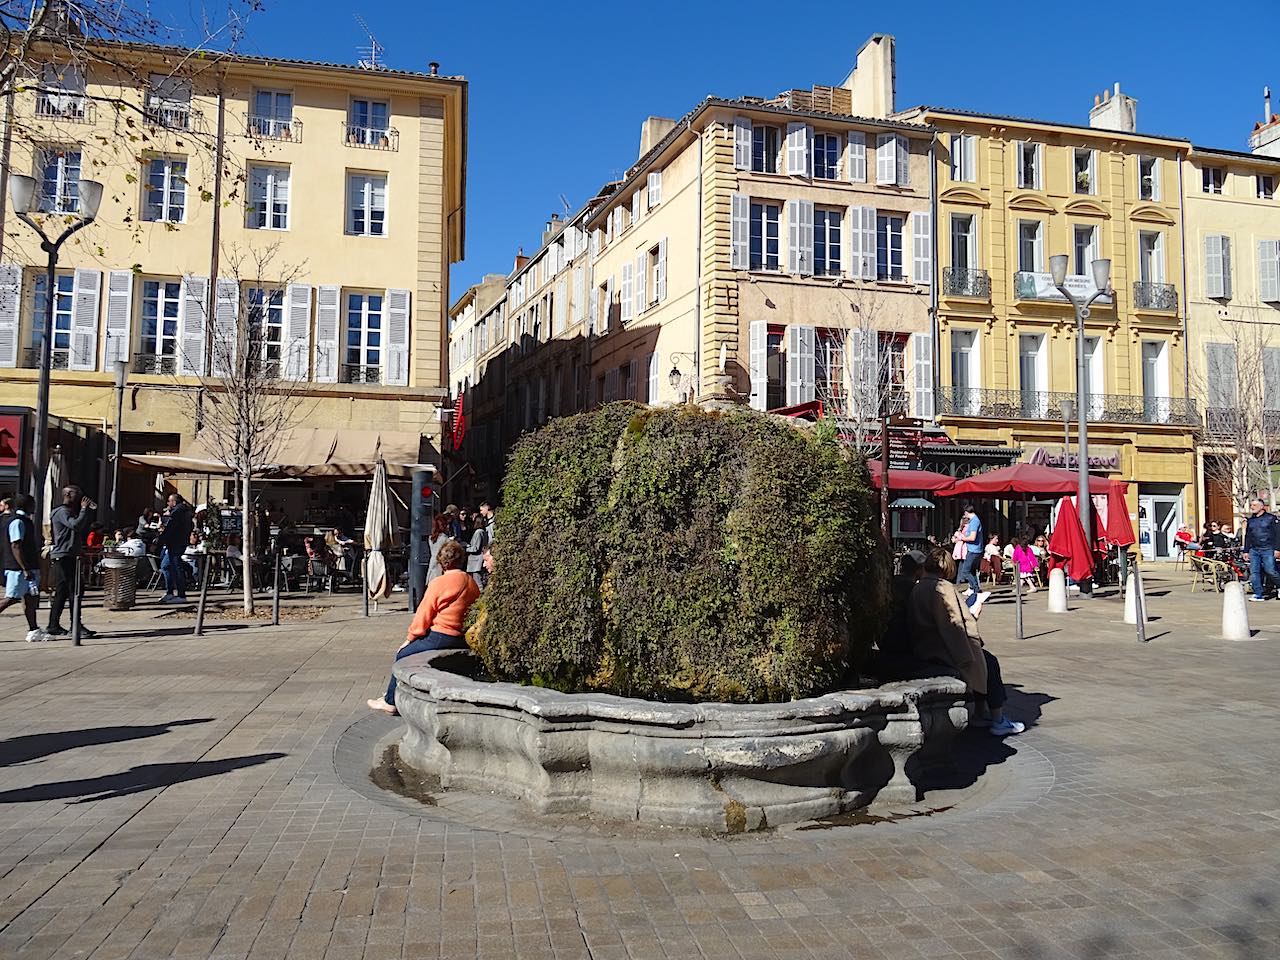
{"x":20,"y":554}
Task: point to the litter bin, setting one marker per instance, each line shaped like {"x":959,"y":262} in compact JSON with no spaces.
{"x":119,"y":581}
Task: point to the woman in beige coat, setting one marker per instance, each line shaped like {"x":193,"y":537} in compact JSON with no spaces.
{"x":945,"y":632}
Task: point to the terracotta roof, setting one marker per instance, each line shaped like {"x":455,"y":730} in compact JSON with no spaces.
{"x":978,"y":114}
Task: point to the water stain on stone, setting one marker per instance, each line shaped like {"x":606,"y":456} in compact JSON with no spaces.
{"x":863,"y":816}
{"x":399,"y":778}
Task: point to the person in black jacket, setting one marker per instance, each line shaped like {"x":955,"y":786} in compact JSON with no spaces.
{"x":174,"y":538}
{"x":20,"y":554}
{"x":1261,"y":538}
{"x":67,"y":523}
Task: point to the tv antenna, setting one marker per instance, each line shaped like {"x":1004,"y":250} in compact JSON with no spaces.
{"x":564,"y":201}
{"x":369,"y":56}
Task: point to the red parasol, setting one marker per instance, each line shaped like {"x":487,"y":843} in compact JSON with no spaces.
{"x":910,"y":479}
{"x":1023,"y":478}
{"x":1119,"y":529}
{"x":1068,"y":543}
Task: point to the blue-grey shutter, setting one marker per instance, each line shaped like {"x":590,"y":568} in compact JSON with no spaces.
{"x":741,"y":143}
{"x":857,"y":166}
{"x":922,"y":381}
{"x":86,"y":292}
{"x":759,"y":370}
{"x":739,"y":230}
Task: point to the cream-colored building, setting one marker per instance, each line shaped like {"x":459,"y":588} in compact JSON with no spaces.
{"x":330,"y":198}
{"x":468,"y":335}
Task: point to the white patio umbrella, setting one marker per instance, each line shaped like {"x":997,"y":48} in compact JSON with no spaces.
{"x":379,"y":534}
{"x":54,"y":480}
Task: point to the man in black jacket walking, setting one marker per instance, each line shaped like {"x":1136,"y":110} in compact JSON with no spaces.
{"x":1261,"y":539}
{"x":66,"y":524}
{"x":173,"y":542}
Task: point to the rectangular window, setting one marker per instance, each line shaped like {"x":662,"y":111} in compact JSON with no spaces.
{"x":889,"y":247}
{"x":272,"y":115}
{"x":1031,"y":373}
{"x":1213,"y":179}
{"x":891,"y":357}
{"x":1029,"y":247}
{"x":166,"y":190}
{"x":366,"y":204}
{"x":962,"y":352}
{"x":169,"y":101}
{"x":63,"y":305}
{"x":826,"y":243}
{"x":1083,"y":168}
{"x":268,"y":198}
{"x":368,"y":123}
{"x":59,"y":175}
{"x":764,"y":149}
{"x":964,"y":253}
{"x":266,"y":324}
{"x":62,"y":93}
{"x":764,"y":235}
{"x":1085,"y":248}
{"x":653,"y":279}
{"x":161,"y":300}
{"x":1029,"y":166}
{"x":1150,"y":257}
{"x":829,"y":365}
{"x":1148,"y":178}
{"x":963,"y":158}
{"x":1266,"y":186}
{"x":775,"y":365}
{"x":364,"y":339}
{"x":826,"y":156}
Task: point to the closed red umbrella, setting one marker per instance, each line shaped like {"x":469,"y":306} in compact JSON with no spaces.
{"x":1021,"y":478}
{"x":1119,"y":529}
{"x":910,"y":479}
{"x":1068,"y":543}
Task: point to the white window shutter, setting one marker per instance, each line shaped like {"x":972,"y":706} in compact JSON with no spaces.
{"x":1226,"y":267}
{"x":628,"y":290}
{"x":921,"y":248}
{"x":1021,"y":162}
{"x":607,"y":318}
{"x":1155,"y":179}
{"x":1038,"y":180}
{"x":642,"y":282}
{"x":741,"y":143}
{"x":1158,"y":259}
{"x":857,"y":166}
{"x":595,"y":241}
{"x":654,"y":188}
{"x":579,"y":288}
{"x":660,"y":272}
{"x":886,"y":159}
{"x":806,"y":237}
{"x":10,"y":313}
{"x":1269,"y":271}
{"x":793,"y":236}
{"x":396,"y":362}
{"x":297,"y":330}
{"x":119,"y":317}
{"x":192,"y":317}
{"x":902,"y":152}
{"x":635,"y":207}
{"x":971,"y":158}
{"x":801,"y":364}
{"x":328,"y":333}
{"x":759,"y":370}
{"x":868,"y":243}
{"x":922,"y":385}
{"x":740,"y":230}
{"x":632,"y":378}
{"x":224,"y":335}
{"x":651,"y":394}
{"x":86,"y":291}
{"x":850,"y":235}
{"x":793,"y":365}
{"x":562,"y":294}
{"x":1213,"y":288}
{"x":861,"y":384}
{"x":957,"y":157}
{"x":797,"y":149}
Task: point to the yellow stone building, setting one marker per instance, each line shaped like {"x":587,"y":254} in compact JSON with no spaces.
{"x":329,"y":198}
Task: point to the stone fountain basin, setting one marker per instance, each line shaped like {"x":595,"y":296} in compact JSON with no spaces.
{"x":720,"y":767}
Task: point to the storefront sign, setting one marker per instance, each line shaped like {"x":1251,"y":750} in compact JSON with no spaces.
{"x":1104,"y":459}
{"x":1039,"y":286}
{"x":10,"y":440}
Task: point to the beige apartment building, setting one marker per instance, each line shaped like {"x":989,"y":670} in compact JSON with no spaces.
{"x":328,"y":198}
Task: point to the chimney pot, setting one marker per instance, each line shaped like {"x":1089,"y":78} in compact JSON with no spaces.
{"x":1097,"y":100}
{"x":434,"y":68}
{"x":1117,"y":88}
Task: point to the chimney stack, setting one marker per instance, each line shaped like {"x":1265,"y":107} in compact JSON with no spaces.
{"x":434,"y":68}
{"x":1114,"y":111}
{"x":1265,"y":139}
{"x":1266,"y":104}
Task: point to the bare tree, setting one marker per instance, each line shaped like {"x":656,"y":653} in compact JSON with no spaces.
{"x":1240,"y":386}
{"x":252,"y":394}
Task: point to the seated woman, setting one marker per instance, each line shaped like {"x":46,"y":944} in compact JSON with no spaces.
{"x":438,"y":623}
{"x":944,"y":632}
{"x":1026,"y":563}
{"x":130,"y":544}
{"x":992,"y":564}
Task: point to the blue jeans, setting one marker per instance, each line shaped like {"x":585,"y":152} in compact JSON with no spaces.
{"x":432,"y":641}
{"x":175,"y":582}
{"x":968,"y":573}
{"x":1262,"y":559}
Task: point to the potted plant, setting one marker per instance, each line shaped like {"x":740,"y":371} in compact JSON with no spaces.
{"x":1082,"y":180}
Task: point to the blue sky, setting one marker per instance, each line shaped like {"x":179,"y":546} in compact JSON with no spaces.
{"x":558,"y":91}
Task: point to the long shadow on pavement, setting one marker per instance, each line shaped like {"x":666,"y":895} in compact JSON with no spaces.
{"x":135,"y":780}
{"x":34,"y":746}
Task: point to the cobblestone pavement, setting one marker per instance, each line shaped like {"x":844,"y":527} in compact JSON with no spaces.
{"x":167,"y":796}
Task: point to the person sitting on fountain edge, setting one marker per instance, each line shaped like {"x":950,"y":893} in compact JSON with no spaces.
{"x":438,"y":623}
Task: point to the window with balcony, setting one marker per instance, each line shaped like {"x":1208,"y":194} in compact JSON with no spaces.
{"x":1028,"y":157}
{"x":266,"y":326}
{"x":158,"y":339}
{"x":1266,"y":184}
{"x":826,"y":242}
{"x":1155,"y":381}
{"x":1033,"y":374}
{"x":889,"y":247}
{"x":1084,"y":169}
{"x":363,"y":352}
{"x":826,"y":156}
{"x":1148,"y":178}
{"x":366,"y":204}
{"x":965,"y":376}
{"x":59,"y":174}
{"x":775,"y":365}
{"x":1213,"y":179}
{"x":63,"y":308}
{"x":1151,"y":256}
{"x":1030,"y":246}
{"x":272,"y":116}
{"x":166,"y":190}
{"x":369,"y":125}
{"x":764,"y":235}
{"x":268,"y":198}
{"x":764,"y":149}
{"x":169,"y":102}
{"x":963,"y":278}
{"x":61,"y":94}
{"x":1085,"y":248}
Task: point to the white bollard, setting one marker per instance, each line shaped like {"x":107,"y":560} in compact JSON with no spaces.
{"x":1235,"y":615}
{"x":1131,"y":599}
{"x":1057,"y":590}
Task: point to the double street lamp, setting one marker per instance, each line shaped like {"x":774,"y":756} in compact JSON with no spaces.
{"x":25,"y":197}
{"x":1101,"y":270}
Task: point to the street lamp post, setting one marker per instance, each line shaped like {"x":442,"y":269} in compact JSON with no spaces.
{"x":1101,"y":270}
{"x":1068,"y":414}
{"x":25,"y":198}
{"x":122,"y":380}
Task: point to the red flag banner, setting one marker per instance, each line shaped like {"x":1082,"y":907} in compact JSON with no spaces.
{"x":459,"y":423}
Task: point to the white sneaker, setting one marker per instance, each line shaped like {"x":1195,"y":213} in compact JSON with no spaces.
{"x":968,"y":592}
{"x":1257,"y":599}
{"x":36,"y":636}
{"x":1007,"y":728}
{"x":977,"y":604}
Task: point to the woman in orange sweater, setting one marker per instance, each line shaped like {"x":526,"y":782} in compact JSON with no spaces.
{"x":438,"y":623}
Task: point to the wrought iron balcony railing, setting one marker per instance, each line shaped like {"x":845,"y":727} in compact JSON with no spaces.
{"x":1228,"y":422}
{"x":1047,"y":405}
{"x":966,"y":283}
{"x":373,"y":138}
{"x":156,"y":363}
{"x":60,"y":359}
{"x":359,"y":373}
{"x":172,"y":115}
{"x":275,"y":128}
{"x":63,"y":105}
{"x":1155,"y":296}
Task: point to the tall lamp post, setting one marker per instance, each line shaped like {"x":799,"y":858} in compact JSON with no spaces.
{"x":25,"y":197}
{"x":1101,"y":270}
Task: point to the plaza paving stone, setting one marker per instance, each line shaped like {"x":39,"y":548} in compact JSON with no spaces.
{"x":168,"y":796}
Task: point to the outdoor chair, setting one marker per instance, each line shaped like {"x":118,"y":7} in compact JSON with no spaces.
{"x":157,"y":575}
{"x":318,"y":575}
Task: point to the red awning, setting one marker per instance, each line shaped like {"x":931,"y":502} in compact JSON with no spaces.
{"x":910,"y":479}
{"x":1024,"y":478}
